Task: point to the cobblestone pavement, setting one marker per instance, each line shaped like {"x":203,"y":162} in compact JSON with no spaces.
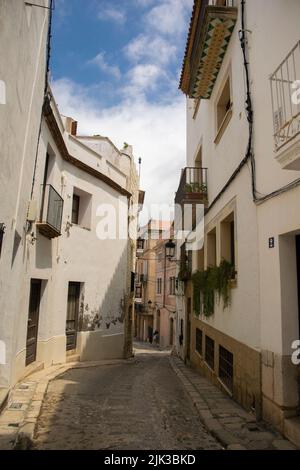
{"x":138,"y":405}
{"x":234,"y":427}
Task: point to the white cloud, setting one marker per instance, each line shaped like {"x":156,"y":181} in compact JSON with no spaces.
{"x":169,"y":17}
{"x":142,"y":78}
{"x":156,"y":131}
{"x":101,"y":63}
{"x":154,"y":49}
{"x":110,"y":13}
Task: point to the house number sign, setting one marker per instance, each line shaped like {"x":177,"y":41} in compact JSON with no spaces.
{"x":271,"y":242}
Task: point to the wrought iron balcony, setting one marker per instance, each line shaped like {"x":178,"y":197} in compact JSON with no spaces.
{"x":143,"y":309}
{"x":211,"y":28}
{"x":51,"y":211}
{"x":140,"y":247}
{"x":286,"y":110}
{"x":192,"y":186}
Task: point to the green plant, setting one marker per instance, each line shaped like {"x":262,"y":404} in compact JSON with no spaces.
{"x":188,"y":188}
{"x":206,"y":284}
{"x":195,"y":188}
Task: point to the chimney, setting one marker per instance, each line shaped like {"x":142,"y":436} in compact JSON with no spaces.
{"x":71,"y":126}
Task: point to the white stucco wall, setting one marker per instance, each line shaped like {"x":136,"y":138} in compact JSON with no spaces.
{"x":22,"y":68}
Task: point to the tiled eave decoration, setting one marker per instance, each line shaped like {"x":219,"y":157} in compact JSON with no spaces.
{"x":214,"y":35}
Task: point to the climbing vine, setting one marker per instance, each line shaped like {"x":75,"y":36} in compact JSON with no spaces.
{"x":216,"y":279}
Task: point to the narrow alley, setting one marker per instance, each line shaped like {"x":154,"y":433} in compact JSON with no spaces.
{"x":152,"y":401}
{"x":138,"y":405}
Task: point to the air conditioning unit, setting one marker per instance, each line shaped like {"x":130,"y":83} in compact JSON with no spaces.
{"x":32,"y":211}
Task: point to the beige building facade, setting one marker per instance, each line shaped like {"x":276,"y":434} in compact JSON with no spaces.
{"x":146,"y":316}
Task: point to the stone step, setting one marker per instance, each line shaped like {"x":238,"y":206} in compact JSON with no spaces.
{"x":32,"y":368}
{"x":73,"y":358}
{"x":292,"y":429}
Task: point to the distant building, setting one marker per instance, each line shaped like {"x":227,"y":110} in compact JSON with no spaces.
{"x":165,"y":300}
{"x":145,"y":288}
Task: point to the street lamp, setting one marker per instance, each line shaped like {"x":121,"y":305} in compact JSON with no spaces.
{"x":170,"y":249}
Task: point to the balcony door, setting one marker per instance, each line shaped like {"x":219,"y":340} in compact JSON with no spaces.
{"x":72,"y":314}
{"x":33,"y":320}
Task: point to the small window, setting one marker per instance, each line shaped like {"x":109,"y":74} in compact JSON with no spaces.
{"x":212,"y":248}
{"x":226,"y":367}
{"x":140,"y":244}
{"x":199,"y":341}
{"x":75,"y":209}
{"x":159,"y":285}
{"x":210,"y":352}
{"x":223,"y":109}
{"x":138,"y":292}
{"x":172,"y":285}
{"x":228,"y":240}
{"x":81,"y":208}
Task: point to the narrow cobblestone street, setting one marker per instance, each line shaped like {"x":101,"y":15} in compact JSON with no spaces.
{"x":139,"y":405}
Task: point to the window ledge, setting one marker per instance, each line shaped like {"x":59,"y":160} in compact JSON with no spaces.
{"x":200,"y":355}
{"x":226,"y":389}
{"x":208,"y":366}
{"x":224,"y":125}
{"x":81,"y":227}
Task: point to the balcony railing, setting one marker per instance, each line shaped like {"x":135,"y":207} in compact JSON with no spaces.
{"x":286,"y":104}
{"x":192,"y":186}
{"x":51,"y":211}
{"x":140,"y":247}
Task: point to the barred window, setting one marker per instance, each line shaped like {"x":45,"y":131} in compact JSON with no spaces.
{"x":210,"y":352}
{"x":226,"y":367}
{"x":199,"y":341}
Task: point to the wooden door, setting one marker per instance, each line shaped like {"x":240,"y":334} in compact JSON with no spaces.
{"x":33,"y":320}
{"x":72,"y":314}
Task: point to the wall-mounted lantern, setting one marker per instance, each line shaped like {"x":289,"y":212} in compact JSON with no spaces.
{"x":170,"y":249}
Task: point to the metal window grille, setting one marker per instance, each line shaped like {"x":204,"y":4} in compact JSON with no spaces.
{"x":199,"y":336}
{"x":285,"y":83}
{"x":210,"y":352}
{"x":226,"y":367}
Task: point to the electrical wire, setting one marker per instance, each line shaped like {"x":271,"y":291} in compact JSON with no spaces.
{"x":258,"y":198}
{"x":48,"y":57}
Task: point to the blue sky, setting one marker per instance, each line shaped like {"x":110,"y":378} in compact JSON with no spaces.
{"x":115,"y":68}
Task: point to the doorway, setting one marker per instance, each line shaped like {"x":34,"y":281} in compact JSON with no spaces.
{"x":33,"y":320}
{"x":171,"y":331}
{"x":188,"y":327}
{"x":72,"y":314}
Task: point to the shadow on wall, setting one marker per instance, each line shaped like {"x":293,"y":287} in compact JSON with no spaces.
{"x":101,"y":331}
{"x":43,"y":254}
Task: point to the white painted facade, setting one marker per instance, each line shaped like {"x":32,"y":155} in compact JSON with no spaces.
{"x":23,"y":54}
{"x":106,"y":181}
{"x":264,"y":312}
